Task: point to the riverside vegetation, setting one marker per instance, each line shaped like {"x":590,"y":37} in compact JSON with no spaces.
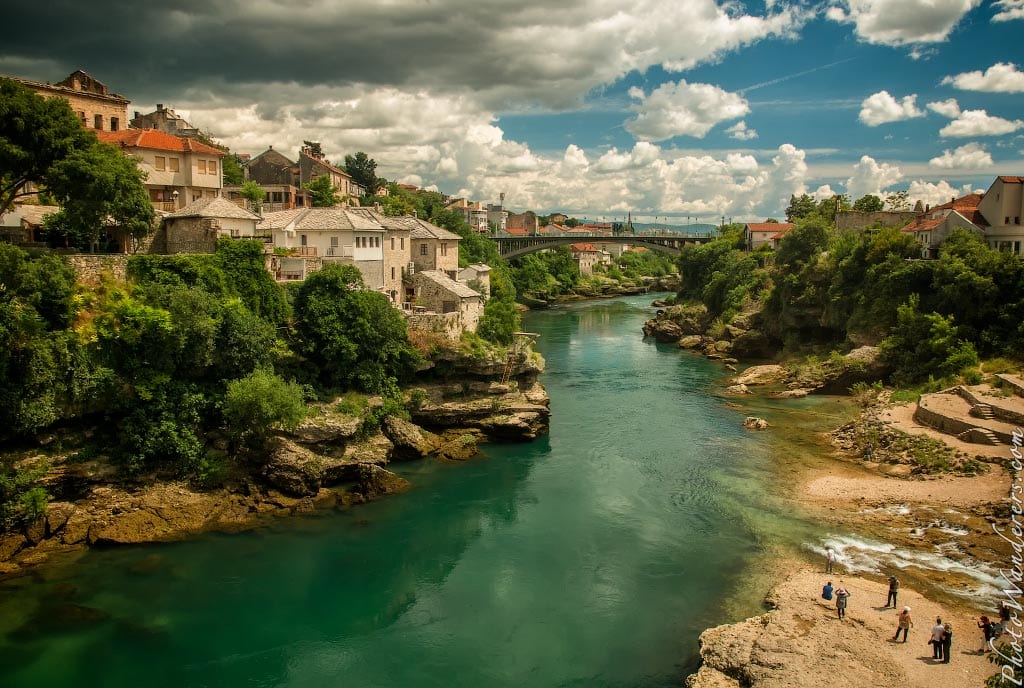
{"x":198,"y":370}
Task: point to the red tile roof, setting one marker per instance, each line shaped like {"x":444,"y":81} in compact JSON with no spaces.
{"x":157,"y":140}
{"x":779,"y":227}
{"x":584,"y":247}
{"x":924,"y":224}
{"x":1011,"y":180}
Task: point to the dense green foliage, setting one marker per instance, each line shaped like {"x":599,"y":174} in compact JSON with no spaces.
{"x":822,"y":288}
{"x":363,"y":170}
{"x":254,"y":193}
{"x":322,"y":194}
{"x":232,"y":170}
{"x":35,"y":134}
{"x":260,"y":401}
{"x":354,"y":337}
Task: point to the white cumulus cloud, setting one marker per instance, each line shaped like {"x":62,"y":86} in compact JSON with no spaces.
{"x":1008,"y":10}
{"x":871,"y":177}
{"x":741,"y":132}
{"x":1001,"y":77}
{"x":947,"y":108}
{"x":881,"y":108}
{"x":971,"y":156}
{"x":901,"y":22}
{"x":935,"y":193}
{"x":683,"y":109}
{"x":979,"y":123}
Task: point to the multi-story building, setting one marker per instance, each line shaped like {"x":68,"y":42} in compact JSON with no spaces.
{"x":178,"y":170}
{"x":313,"y":164}
{"x":473,"y":213}
{"x":434,"y":248}
{"x":165,"y":120}
{"x":91,"y":100}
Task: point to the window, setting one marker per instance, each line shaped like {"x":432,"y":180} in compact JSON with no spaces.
{"x":392,"y":248}
{"x":159,"y":163}
{"x":1016,"y":220}
{"x":172,"y":164}
{"x":211,"y":167}
{"x":114,"y":124}
{"x":376,"y":242}
{"x":97,"y":122}
{"x":1016,"y":247}
{"x":202,"y":166}
{"x":392,"y":272}
{"x":81,"y":116}
{"x":423,"y":249}
{"x":444,"y":249}
{"x":402,"y":241}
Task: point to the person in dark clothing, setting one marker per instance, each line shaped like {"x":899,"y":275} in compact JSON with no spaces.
{"x":841,"y":596}
{"x":988,"y":628}
{"x":894,"y":588}
{"x":826,"y":591}
{"x":947,"y":642}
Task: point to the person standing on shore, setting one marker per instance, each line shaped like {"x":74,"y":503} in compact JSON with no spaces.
{"x":987,"y":628}
{"x":841,"y":596}
{"x":830,"y":559}
{"x":947,"y":642}
{"x":894,"y":588}
{"x":904,"y":624}
{"x":936,"y":640}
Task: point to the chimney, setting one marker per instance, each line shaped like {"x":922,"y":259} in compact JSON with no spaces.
{"x":136,"y":114}
{"x":953,"y":200}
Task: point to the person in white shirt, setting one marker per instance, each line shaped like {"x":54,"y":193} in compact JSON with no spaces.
{"x":938,"y":630}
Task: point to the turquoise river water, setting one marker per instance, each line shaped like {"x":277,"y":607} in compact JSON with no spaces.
{"x":591,"y":557}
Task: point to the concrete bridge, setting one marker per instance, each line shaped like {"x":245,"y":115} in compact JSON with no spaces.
{"x":672,"y":243}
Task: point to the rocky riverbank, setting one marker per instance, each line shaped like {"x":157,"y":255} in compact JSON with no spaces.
{"x":332,"y":460}
{"x":920,"y":505}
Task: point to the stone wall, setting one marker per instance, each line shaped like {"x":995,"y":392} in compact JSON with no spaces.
{"x":851,"y":220}
{"x":191,"y":234}
{"x":90,"y":267}
{"x":445,"y":324}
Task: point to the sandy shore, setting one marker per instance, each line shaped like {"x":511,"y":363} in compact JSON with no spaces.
{"x":935,"y":533}
{"x":803,"y":642}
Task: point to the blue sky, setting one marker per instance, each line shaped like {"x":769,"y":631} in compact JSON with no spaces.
{"x":695,"y":108}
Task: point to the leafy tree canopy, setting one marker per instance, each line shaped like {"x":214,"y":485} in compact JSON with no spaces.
{"x":868,"y":203}
{"x":323,"y":193}
{"x":363,"y":170}
{"x":35,"y":133}
{"x":232,"y":170}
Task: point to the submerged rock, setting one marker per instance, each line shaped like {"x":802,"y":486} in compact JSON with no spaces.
{"x":755,"y":423}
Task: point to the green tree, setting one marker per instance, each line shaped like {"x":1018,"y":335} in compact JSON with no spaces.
{"x":35,"y":133}
{"x":363,"y":170}
{"x":259,"y":402}
{"x":314,"y":148}
{"x":925,"y":344}
{"x":355,"y":337}
{"x":94,"y":186}
{"x":799,"y":207}
{"x":324,"y":194}
{"x":828,"y":208}
{"x":868,"y":203}
{"x":898,"y":200}
{"x":232,"y":170}
{"x":254,"y":193}
{"x":500,"y":319}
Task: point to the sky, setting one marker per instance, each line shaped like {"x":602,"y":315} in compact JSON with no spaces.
{"x":671,"y":110}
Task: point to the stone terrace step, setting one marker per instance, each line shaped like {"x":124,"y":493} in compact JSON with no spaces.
{"x":1014,"y":382}
{"x":950,"y":413}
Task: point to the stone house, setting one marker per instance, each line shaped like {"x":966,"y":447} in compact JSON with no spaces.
{"x":437,"y":292}
{"x":473,"y":213}
{"x":165,"y":120}
{"x":178,"y":170}
{"x":397,"y":252}
{"x":587,"y":256}
{"x":279,"y":177}
{"x":313,"y":165}
{"x":196,"y":228}
{"x":757,"y":234}
{"x":932,"y":227}
{"x":327,"y":235}
{"x":526,"y":221}
{"x":23,"y":222}
{"x":477,"y":276}
{"x":434,"y":248}
{"x":97,"y":108}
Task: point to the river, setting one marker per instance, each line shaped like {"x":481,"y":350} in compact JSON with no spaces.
{"x":591,"y":557}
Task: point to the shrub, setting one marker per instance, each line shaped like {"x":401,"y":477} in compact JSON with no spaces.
{"x":261,"y":401}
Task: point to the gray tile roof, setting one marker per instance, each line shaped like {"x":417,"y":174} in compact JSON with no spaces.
{"x":311,"y":219}
{"x":424,"y":230}
{"x":215,"y":207}
{"x":443,"y":280}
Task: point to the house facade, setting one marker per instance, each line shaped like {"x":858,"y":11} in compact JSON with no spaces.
{"x":473,"y":213}
{"x":178,"y":170}
{"x":932,"y":227}
{"x":587,"y":256}
{"x":196,"y":228}
{"x":757,"y":234}
{"x":96,"y":106}
{"x":1002,"y":206}
{"x":434,"y":248}
{"x":526,"y":221}
{"x":477,"y":276}
{"x":313,"y":165}
{"x":165,"y":120}
{"x":320,"y":236}
{"x":461,"y":306}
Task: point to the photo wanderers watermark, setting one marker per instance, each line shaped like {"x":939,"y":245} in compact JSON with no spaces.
{"x":1013,"y":661}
